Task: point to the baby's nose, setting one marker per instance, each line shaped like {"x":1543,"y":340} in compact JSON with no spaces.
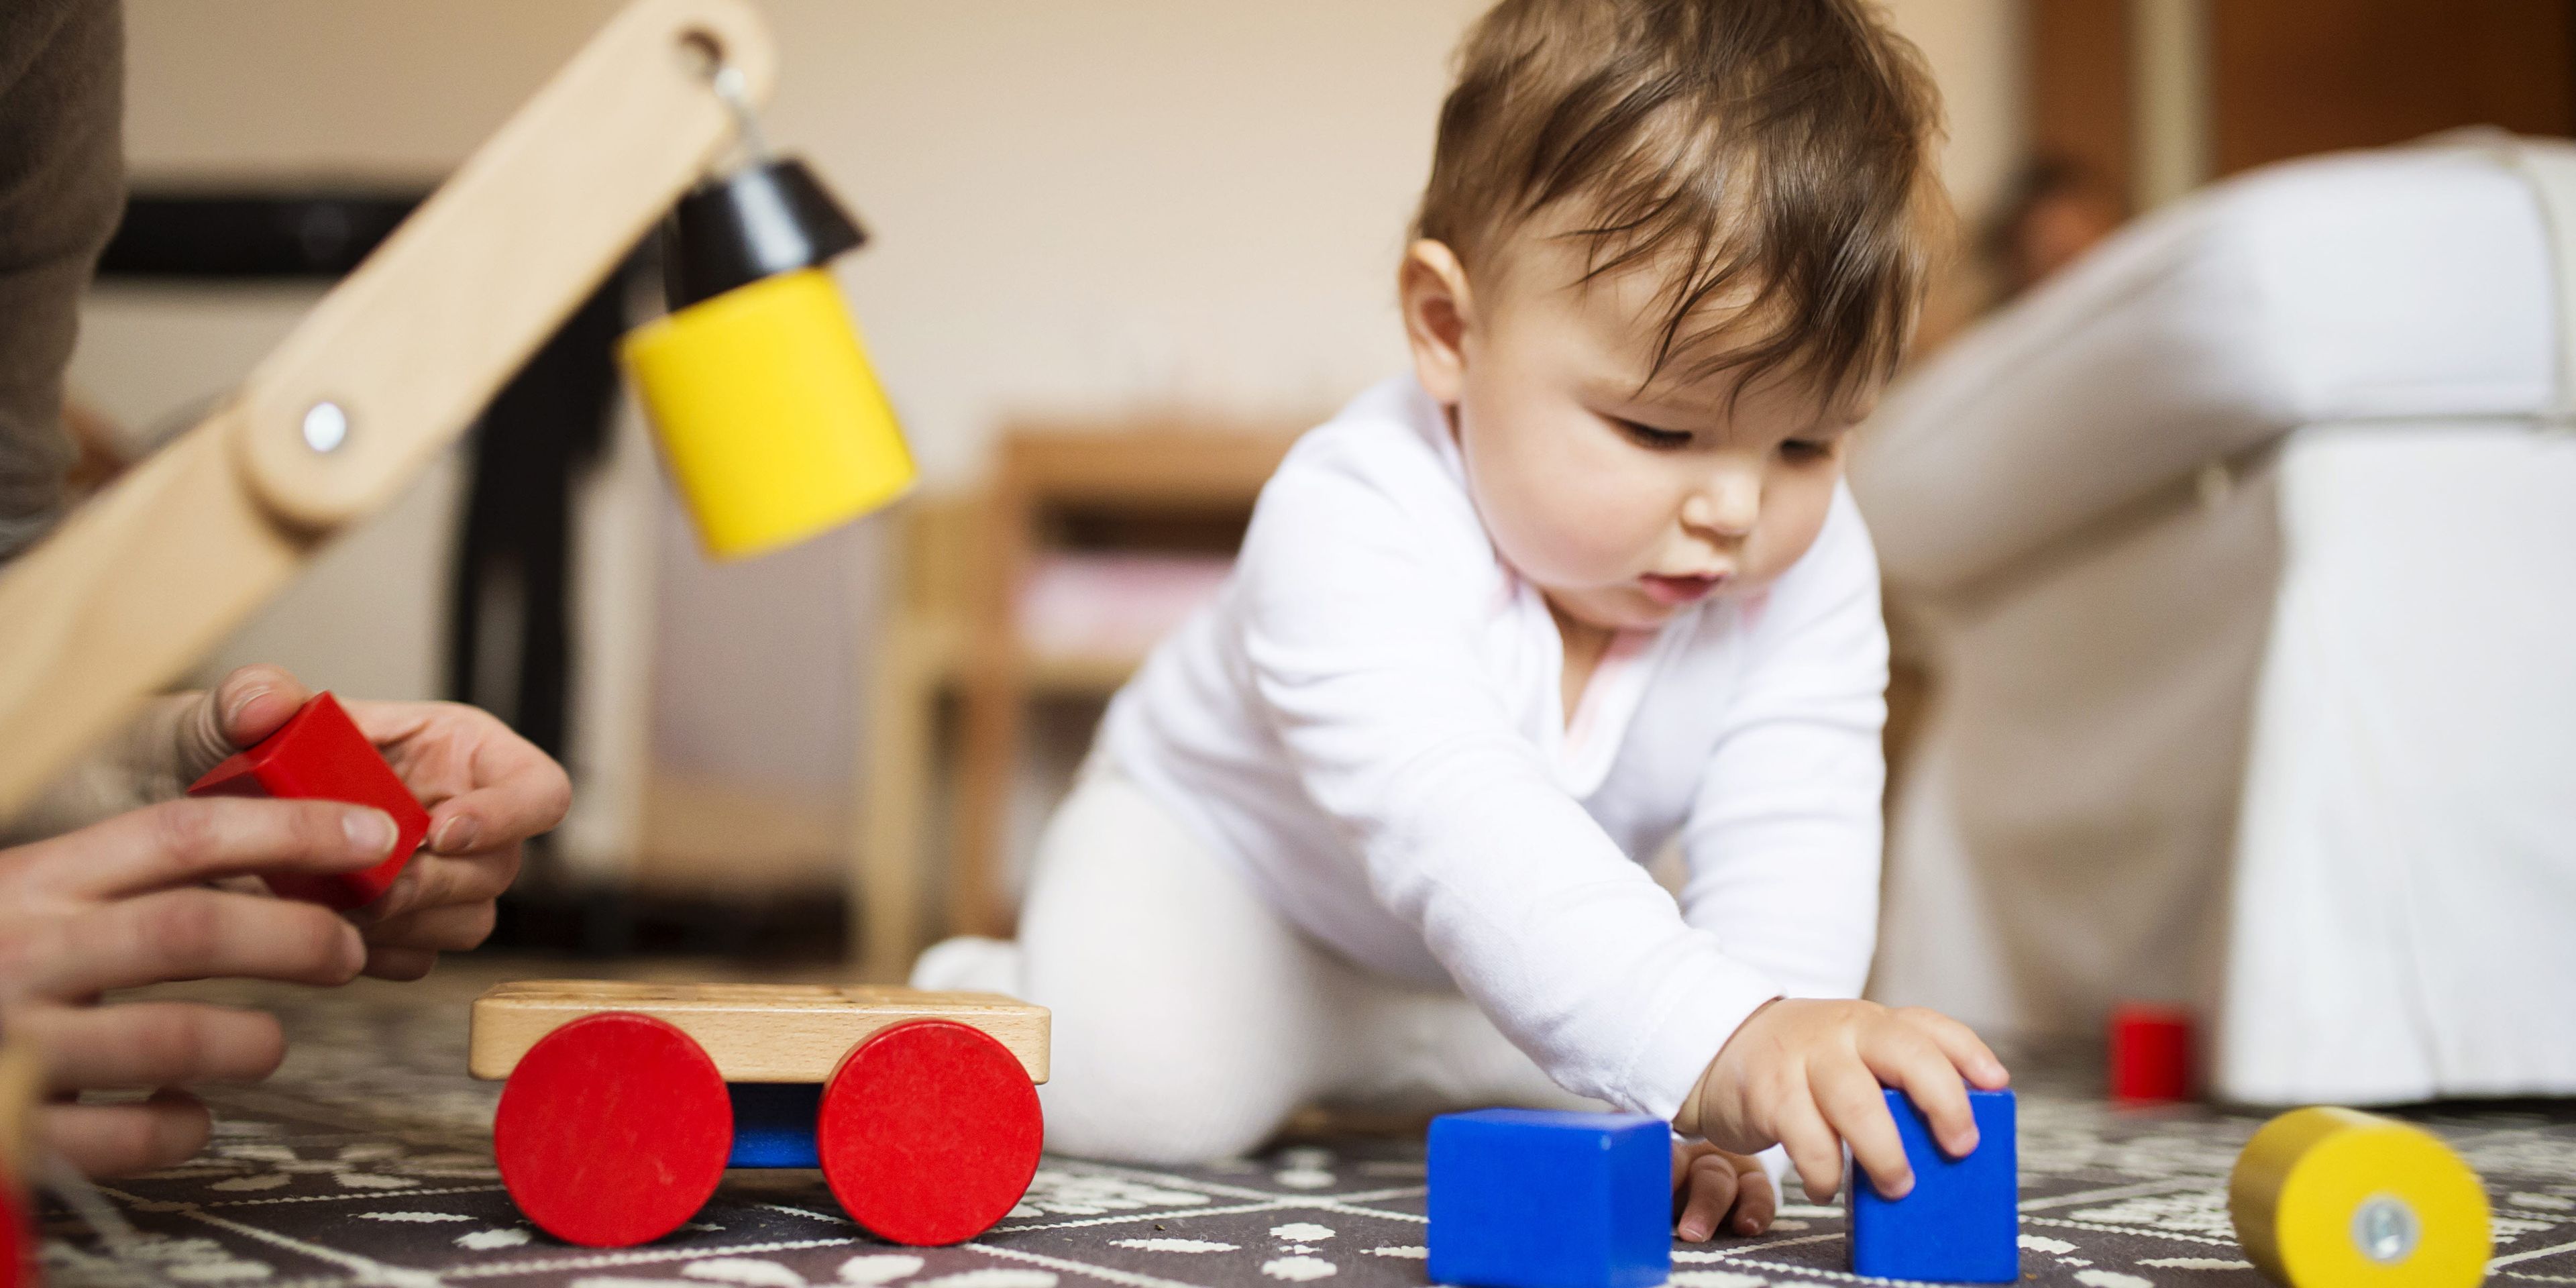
{"x":1726,"y":504}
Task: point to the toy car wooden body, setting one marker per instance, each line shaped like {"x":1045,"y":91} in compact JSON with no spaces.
{"x":625,"y":1102}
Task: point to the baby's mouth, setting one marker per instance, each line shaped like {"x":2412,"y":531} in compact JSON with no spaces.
{"x":1673,"y":592}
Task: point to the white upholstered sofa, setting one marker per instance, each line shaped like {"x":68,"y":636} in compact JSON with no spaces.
{"x":2245,"y":557}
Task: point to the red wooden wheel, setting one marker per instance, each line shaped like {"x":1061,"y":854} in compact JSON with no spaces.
{"x":612,"y":1130}
{"x":929,"y":1132}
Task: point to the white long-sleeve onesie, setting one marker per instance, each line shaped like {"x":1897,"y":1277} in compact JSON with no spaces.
{"x":1368,"y":723}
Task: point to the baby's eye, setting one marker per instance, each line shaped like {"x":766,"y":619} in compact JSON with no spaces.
{"x":1803,"y":450}
{"x":1662,"y":440}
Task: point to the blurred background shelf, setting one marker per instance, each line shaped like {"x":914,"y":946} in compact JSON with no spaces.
{"x":1049,"y":586}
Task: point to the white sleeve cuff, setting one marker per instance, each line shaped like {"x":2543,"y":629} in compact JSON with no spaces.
{"x":1696,"y":1023}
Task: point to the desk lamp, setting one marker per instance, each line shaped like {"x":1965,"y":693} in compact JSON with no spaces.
{"x":768,"y":416}
{"x":757,"y":382}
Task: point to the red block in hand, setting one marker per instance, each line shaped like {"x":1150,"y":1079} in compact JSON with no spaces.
{"x":318,"y":754}
{"x":2150,"y":1053}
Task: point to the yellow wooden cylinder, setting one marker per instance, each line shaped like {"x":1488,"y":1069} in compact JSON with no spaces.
{"x":2334,"y":1198}
{"x":768,"y":415}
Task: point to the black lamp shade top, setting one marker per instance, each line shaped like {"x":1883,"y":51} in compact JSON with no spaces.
{"x":764,"y":219}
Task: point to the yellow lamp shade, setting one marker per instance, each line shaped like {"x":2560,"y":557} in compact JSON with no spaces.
{"x":768,"y":414}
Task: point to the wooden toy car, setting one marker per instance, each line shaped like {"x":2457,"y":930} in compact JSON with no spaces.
{"x":625,"y":1102}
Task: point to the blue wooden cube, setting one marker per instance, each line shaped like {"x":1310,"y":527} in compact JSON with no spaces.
{"x":1961,"y":1222}
{"x":1527,"y":1198}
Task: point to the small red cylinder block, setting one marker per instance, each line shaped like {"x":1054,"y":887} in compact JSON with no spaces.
{"x":2151,"y":1054}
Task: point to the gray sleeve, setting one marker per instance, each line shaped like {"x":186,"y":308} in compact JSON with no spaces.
{"x":61,"y":187}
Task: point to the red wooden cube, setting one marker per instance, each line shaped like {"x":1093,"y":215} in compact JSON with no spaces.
{"x":2151,"y":1053}
{"x":318,"y":754}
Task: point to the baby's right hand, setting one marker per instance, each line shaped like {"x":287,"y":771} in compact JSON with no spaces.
{"x":1807,"y":1074}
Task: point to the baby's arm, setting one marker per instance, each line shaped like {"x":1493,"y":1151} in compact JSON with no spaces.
{"x":1783,"y":844}
{"x":1361,"y":622}
{"x":1783,"y":837}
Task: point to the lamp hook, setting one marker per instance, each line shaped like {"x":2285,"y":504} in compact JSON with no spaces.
{"x":734,"y":90}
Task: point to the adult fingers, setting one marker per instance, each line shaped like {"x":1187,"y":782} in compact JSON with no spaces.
{"x":152,"y":1044}
{"x":433,"y":881}
{"x":1901,"y":1055}
{"x":199,"y":934}
{"x":1708,"y":1194}
{"x":401,"y":965}
{"x":248,"y":705}
{"x":518,"y":793}
{"x":1968,"y":1053}
{"x":185,"y":842}
{"x":492,"y":787}
{"x":1852,"y":1102}
{"x":454,"y":928}
{"x":112,"y":1140}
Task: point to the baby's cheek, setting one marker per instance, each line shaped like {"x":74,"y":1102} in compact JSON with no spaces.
{"x":1591,"y":539}
{"x":1791,"y":519}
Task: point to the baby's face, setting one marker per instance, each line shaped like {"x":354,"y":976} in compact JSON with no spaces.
{"x":1626,"y":506}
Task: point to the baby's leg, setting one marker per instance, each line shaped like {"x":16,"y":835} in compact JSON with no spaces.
{"x":1189,"y":1019}
{"x":1429,"y":1048}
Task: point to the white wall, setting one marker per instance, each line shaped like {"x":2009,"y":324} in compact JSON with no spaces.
{"x":1976,"y":50}
{"x":1077,"y":208}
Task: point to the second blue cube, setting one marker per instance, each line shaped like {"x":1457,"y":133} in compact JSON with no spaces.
{"x":1962,"y":1221}
{"x":1526,"y":1198}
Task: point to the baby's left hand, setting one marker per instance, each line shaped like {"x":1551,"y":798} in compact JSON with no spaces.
{"x":1713,"y":1190}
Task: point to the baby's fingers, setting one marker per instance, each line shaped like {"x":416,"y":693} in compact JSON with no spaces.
{"x":1968,"y":1053}
{"x":1856,"y":1107}
{"x":1756,"y":1202}
{"x":1812,"y":1147}
{"x":1708,"y":1193}
{"x":1903,"y":1057}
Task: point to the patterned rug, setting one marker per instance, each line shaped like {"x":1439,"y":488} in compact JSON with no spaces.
{"x":367,"y":1161}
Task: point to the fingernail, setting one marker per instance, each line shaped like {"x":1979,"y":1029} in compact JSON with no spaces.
{"x":241,"y":701}
{"x":371,"y":830}
{"x":457,"y":835}
{"x":1693,"y":1231}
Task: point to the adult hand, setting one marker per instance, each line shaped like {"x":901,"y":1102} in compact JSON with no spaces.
{"x":486,"y":788}
{"x":1807,"y":1075}
{"x":124,"y":903}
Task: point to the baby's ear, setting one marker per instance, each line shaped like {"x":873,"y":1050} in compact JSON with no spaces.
{"x":1438,"y":307}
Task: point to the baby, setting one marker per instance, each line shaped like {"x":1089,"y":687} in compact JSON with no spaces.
{"x":1371,"y":828}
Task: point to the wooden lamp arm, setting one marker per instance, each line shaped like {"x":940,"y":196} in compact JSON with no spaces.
{"x":140,"y":582}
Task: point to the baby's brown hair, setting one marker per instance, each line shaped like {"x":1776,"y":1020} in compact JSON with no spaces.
{"x":1774,"y":157}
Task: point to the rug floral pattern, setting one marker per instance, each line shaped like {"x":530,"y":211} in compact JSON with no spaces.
{"x":367,"y":1161}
